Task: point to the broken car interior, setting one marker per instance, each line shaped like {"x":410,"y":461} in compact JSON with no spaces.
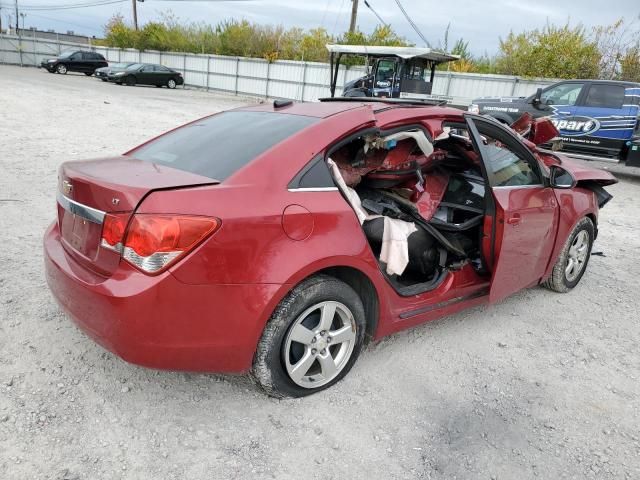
{"x":421,"y":201}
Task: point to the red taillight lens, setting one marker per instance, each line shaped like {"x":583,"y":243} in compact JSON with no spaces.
{"x":154,"y":242}
{"x":113,"y":228}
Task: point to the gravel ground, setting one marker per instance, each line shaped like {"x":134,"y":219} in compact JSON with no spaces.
{"x":542,"y":385}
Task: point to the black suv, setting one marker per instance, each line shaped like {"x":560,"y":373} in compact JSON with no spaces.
{"x":75,"y":61}
{"x":597,"y":117}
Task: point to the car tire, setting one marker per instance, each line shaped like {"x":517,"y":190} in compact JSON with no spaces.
{"x":171,"y":83}
{"x":61,"y":69}
{"x":88,"y":74}
{"x":286,"y":363}
{"x":131,"y":81}
{"x":103,"y":79}
{"x":573,"y":260}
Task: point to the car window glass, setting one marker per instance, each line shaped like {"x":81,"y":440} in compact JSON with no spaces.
{"x":416,"y":72}
{"x":386,"y":69}
{"x":605,"y":96}
{"x":565,"y":94}
{"x":218,"y":146}
{"x":505,"y":165}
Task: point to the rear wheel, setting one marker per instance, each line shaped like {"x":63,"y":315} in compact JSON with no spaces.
{"x":171,"y":83}
{"x":573,"y":259}
{"x":62,"y":69}
{"x":312,"y":339}
{"x":131,"y":81}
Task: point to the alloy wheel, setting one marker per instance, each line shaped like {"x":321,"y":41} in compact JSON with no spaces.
{"x":61,"y":69}
{"x":319,"y":344}
{"x":577,"y":257}
{"x":171,"y":83}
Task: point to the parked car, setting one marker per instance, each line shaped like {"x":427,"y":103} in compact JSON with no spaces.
{"x":103,"y":73}
{"x":147,"y":74}
{"x":595,"y":117}
{"x":276,"y":238}
{"x":75,"y":61}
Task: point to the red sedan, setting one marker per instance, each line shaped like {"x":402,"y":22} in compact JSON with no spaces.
{"x":276,"y":239}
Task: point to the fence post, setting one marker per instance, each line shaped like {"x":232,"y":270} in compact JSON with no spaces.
{"x":208,"y":71}
{"x":513,"y":87}
{"x":160,"y":59}
{"x":35,"y":58}
{"x":139,"y":56}
{"x":119,"y":54}
{"x":237,"y":73}
{"x":58,"y":43}
{"x":266,"y":87}
{"x":20,"y":45}
{"x":184,"y":69}
{"x":304,"y":81}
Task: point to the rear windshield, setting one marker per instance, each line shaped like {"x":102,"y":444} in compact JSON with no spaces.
{"x":218,"y":146}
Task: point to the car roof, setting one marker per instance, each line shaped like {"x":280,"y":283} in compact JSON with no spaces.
{"x":327,"y":109}
{"x":309,"y":109}
{"x":595,"y":80}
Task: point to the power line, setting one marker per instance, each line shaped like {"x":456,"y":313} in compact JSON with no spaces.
{"x":69,"y":6}
{"x":413,"y":25}
{"x":375,"y":13}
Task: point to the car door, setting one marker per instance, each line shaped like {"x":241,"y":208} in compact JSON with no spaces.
{"x":162,"y":75}
{"x":526,"y":211}
{"x":560,"y":103}
{"x":608,"y":116}
{"x":145,"y":75}
{"x":385,"y":76}
{"x":75,"y":62}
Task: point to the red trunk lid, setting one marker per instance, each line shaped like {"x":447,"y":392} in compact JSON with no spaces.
{"x":89,"y":189}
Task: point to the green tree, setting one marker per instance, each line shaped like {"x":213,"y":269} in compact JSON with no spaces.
{"x":554,"y":52}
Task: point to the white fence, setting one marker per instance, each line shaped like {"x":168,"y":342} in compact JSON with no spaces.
{"x":256,"y":77}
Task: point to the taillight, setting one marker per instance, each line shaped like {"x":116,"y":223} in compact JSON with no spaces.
{"x":153,"y":242}
{"x":113,"y":228}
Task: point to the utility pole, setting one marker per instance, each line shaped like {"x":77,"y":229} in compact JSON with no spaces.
{"x":354,"y":14}
{"x":135,"y":14}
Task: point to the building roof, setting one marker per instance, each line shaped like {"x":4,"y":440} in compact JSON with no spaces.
{"x":402,"y":52}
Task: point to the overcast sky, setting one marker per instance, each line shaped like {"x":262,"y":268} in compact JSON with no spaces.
{"x":480,"y":22}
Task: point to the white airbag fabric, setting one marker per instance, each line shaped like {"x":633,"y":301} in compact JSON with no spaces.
{"x":395,"y":245}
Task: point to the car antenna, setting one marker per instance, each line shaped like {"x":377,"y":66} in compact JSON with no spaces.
{"x":279,"y":103}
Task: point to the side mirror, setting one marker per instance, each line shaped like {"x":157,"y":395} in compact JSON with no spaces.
{"x":537,"y":99}
{"x":561,"y":178}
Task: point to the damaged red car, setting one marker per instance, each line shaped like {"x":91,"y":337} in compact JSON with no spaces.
{"x":276,"y":239}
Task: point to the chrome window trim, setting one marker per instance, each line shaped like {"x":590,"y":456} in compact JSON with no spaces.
{"x":507,"y":187}
{"x":88,"y":213}
{"x":313,"y":189}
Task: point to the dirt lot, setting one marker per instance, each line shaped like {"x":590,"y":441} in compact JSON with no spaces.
{"x":542,"y":385}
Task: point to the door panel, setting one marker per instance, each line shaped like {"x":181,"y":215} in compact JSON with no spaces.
{"x":526,"y":211}
{"x":525,"y":230}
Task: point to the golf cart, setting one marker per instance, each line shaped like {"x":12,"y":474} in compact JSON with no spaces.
{"x":392,"y":72}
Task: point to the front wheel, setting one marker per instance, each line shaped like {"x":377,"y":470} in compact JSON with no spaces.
{"x":312,"y":339}
{"x":62,"y":69}
{"x":131,"y":81}
{"x":171,"y":83}
{"x":573,"y":259}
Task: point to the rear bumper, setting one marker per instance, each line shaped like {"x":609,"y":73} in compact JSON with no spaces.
{"x":158,"y":321}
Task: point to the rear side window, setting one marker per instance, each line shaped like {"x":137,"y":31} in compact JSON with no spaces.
{"x":218,"y":146}
{"x":605,"y":96}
